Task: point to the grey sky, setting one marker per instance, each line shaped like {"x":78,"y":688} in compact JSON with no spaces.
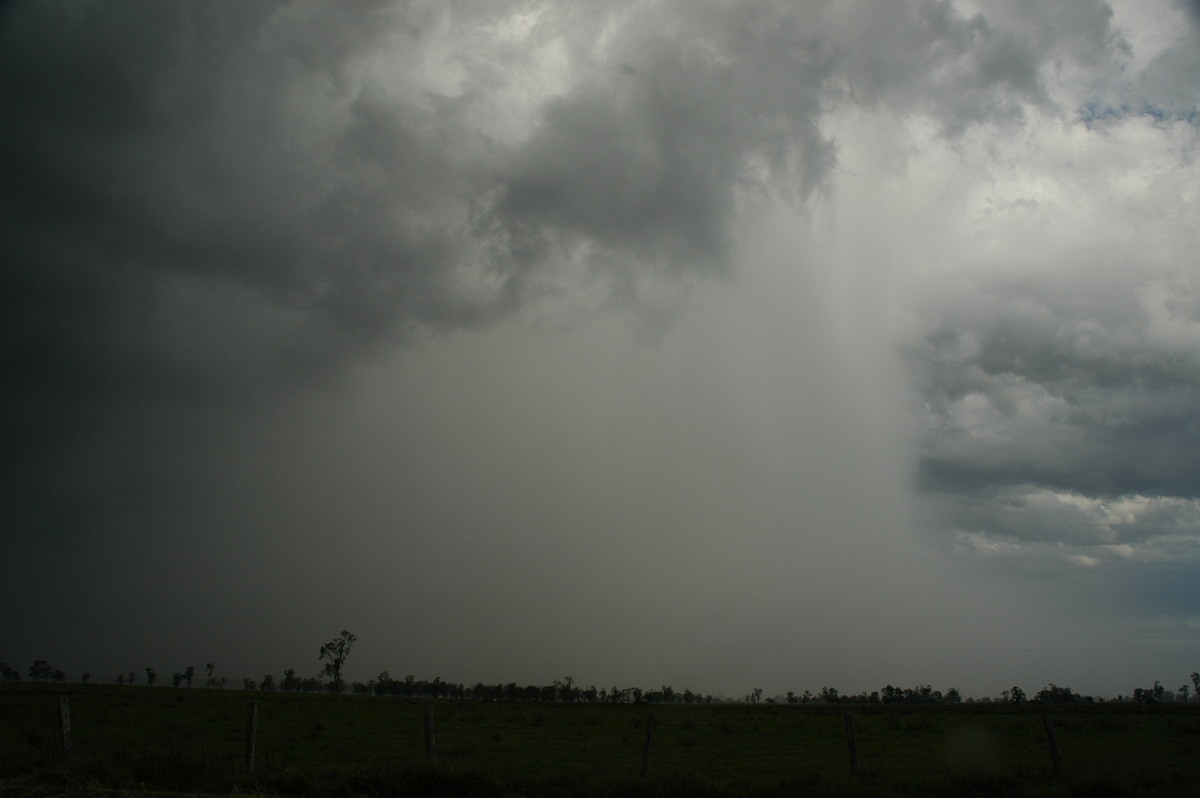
{"x":718,"y":345}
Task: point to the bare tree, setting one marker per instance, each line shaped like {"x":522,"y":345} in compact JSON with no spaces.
{"x":336,"y":651}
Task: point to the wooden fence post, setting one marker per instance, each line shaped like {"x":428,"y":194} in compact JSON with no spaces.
{"x":1055,"y":756}
{"x":64,"y":717}
{"x":251,"y":731}
{"x":852,"y":740}
{"x":430,"y":738}
{"x":646,"y":746}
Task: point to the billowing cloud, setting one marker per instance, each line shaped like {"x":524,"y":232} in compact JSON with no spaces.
{"x":388,"y":268}
{"x":1058,"y":382}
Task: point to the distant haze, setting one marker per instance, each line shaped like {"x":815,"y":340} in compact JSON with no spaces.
{"x":705,"y":344}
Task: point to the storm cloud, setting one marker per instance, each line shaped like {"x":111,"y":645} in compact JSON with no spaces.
{"x":646,"y":342}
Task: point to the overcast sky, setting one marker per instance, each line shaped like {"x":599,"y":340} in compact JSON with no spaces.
{"x":713,"y":344}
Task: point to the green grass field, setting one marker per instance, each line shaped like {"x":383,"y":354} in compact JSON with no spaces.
{"x":166,"y":740}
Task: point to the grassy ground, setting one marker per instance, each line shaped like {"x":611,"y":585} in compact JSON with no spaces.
{"x":164,"y":740}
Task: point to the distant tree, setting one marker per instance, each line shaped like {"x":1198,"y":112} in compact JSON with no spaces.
{"x":120,"y":678}
{"x":188,"y":674}
{"x":290,"y":682}
{"x":40,"y":670}
{"x":1053,"y":694}
{"x":176,"y":679}
{"x":1016,"y":695}
{"x":151,"y":676}
{"x":9,"y":673}
{"x":268,"y":683}
{"x":829,"y":695}
{"x":385,"y":684}
{"x":132,"y":677}
{"x":85,"y":677}
{"x":208,"y":670}
{"x":1183,"y":691}
{"x":248,"y":684}
{"x":952,"y":696}
{"x":922,"y":694}
{"x":1149,"y":695}
{"x":336,"y":651}
{"x":58,"y":676}
{"x":1196,"y":684}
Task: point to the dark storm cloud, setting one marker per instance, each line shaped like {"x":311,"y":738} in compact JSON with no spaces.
{"x":236,"y":147}
{"x":645,"y":164}
{"x":254,"y":155}
{"x":208,"y":204}
{"x":218,"y":218}
{"x":241,"y":145}
{"x":158,"y":270}
{"x":1065,"y":413}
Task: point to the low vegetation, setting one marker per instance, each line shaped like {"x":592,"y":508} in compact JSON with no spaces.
{"x":176,"y":740}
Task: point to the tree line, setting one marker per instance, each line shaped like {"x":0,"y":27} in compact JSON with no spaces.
{"x":333,"y":655}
